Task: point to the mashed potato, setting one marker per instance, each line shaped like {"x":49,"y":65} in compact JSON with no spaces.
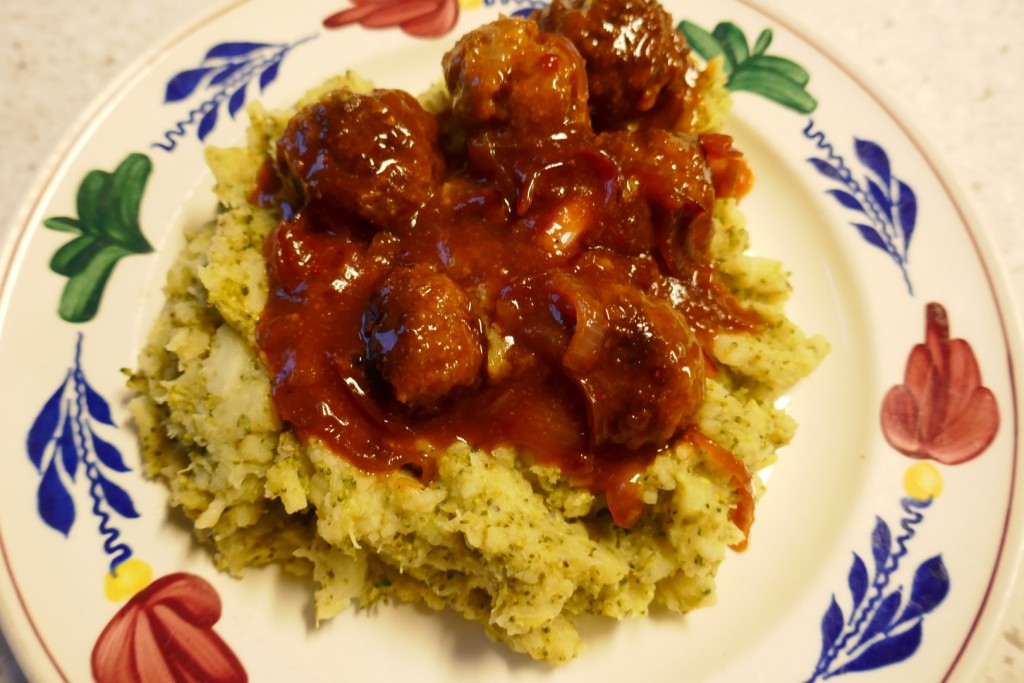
{"x":516,"y":547}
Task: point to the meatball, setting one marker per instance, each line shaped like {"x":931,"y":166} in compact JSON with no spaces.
{"x":636,"y":61}
{"x":632,"y":355}
{"x":671,"y":193}
{"x":669,"y":170}
{"x":509,"y":73}
{"x":647,"y":381}
{"x":421,"y":336}
{"x":374,"y":156}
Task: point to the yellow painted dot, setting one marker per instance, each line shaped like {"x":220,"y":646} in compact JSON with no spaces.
{"x":923,"y":481}
{"x":470,"y":4}
{"x":127,"y":579}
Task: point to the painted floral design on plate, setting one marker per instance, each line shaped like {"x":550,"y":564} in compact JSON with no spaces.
{"x":940,"y":414}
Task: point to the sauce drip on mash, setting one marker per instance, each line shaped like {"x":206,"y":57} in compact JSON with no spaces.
{"x":529,"y":268}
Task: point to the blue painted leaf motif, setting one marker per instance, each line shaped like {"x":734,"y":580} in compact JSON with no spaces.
{"x":826,"y":169}
{"x":269,"y":74}
{"x":881,"y":199}
{"x":871,"y":235}
{"x":44,"y":428}
{"x":224,"y":76}
{"x":883,"y":617}
{"x":98,"y":407}
{"x":117,"y":498}
{"x":874,"y":157}
{"x":109,"y":455}
{"x":68,"y":450}
{"x":930,"y":588}
{"x":891,"y":650}
{"x":207,"y":123}
{"x":234,"y":49}
{"x":55,"y":504}
{"x":885,"y":625}
{"x":64,"y":430}
{"x":906,"y":210}
{"x":847,"y":200}
{"x":857,"y":581}
{"x":831,"y":625}
{"x":185,"y":83}
{"x":881,"y":543}
{"x":887,"y":205}
{"x":237,"y":101}
{"x":225,"y":72}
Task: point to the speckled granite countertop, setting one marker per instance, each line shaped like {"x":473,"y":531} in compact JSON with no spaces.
{"x":955,"y":71}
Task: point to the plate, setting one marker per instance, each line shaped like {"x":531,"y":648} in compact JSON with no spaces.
{"x":890,"y":531}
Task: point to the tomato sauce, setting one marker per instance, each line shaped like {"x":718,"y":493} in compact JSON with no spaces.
{"x":451,"y":277}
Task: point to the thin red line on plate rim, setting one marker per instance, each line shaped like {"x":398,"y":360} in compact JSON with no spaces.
{"x":994,"y":292}
{"x":42,"y":184}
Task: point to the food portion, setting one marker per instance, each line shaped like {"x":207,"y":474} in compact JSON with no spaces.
{"x":499,"y":349}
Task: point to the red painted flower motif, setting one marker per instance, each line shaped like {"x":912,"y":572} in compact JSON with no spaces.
{"x":165,"y":635}
{"x":941,"y":411}
{"x":420,"y":18}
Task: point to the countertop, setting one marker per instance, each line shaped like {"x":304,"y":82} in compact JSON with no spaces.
{"x":954,"y":69}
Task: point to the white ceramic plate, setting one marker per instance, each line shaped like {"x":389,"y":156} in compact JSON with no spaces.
{"x":890,"y":530}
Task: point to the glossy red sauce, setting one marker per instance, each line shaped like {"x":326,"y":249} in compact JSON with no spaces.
{"x":742,"y":515}
{"x":549,"y":290}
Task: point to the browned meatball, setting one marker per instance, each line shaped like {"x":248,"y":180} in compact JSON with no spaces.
{"x":668,"y":169}
{"x":647,"y":382}
{"x":375,"y":156}
{"x":636,"y":60}
{"x":421,"y":336}
{"x":644,"y":382}
{"x":633,"y":356}
{"x":668,"y":181}
{"x":509,"y":73}
{"x":664,"y":182}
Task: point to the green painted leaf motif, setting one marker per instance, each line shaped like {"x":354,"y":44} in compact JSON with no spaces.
{"x":63,"y":224}
{"x":774,"y":86}
{"x":126,"y":187}
{"x":75,"y":255}
{"x":752,"y":69}
{"x":762,"y":42}
{"x":91,"y":199}
{"x":107,"y":230}
{"x":786,"y":68}
{"x":701,"y":41}
{"x":733,"y":42}
{"x":84,"y":290}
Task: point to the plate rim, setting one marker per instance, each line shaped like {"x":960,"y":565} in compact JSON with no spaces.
{"x":15,"y":630}
{"x":1010,"y":557}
